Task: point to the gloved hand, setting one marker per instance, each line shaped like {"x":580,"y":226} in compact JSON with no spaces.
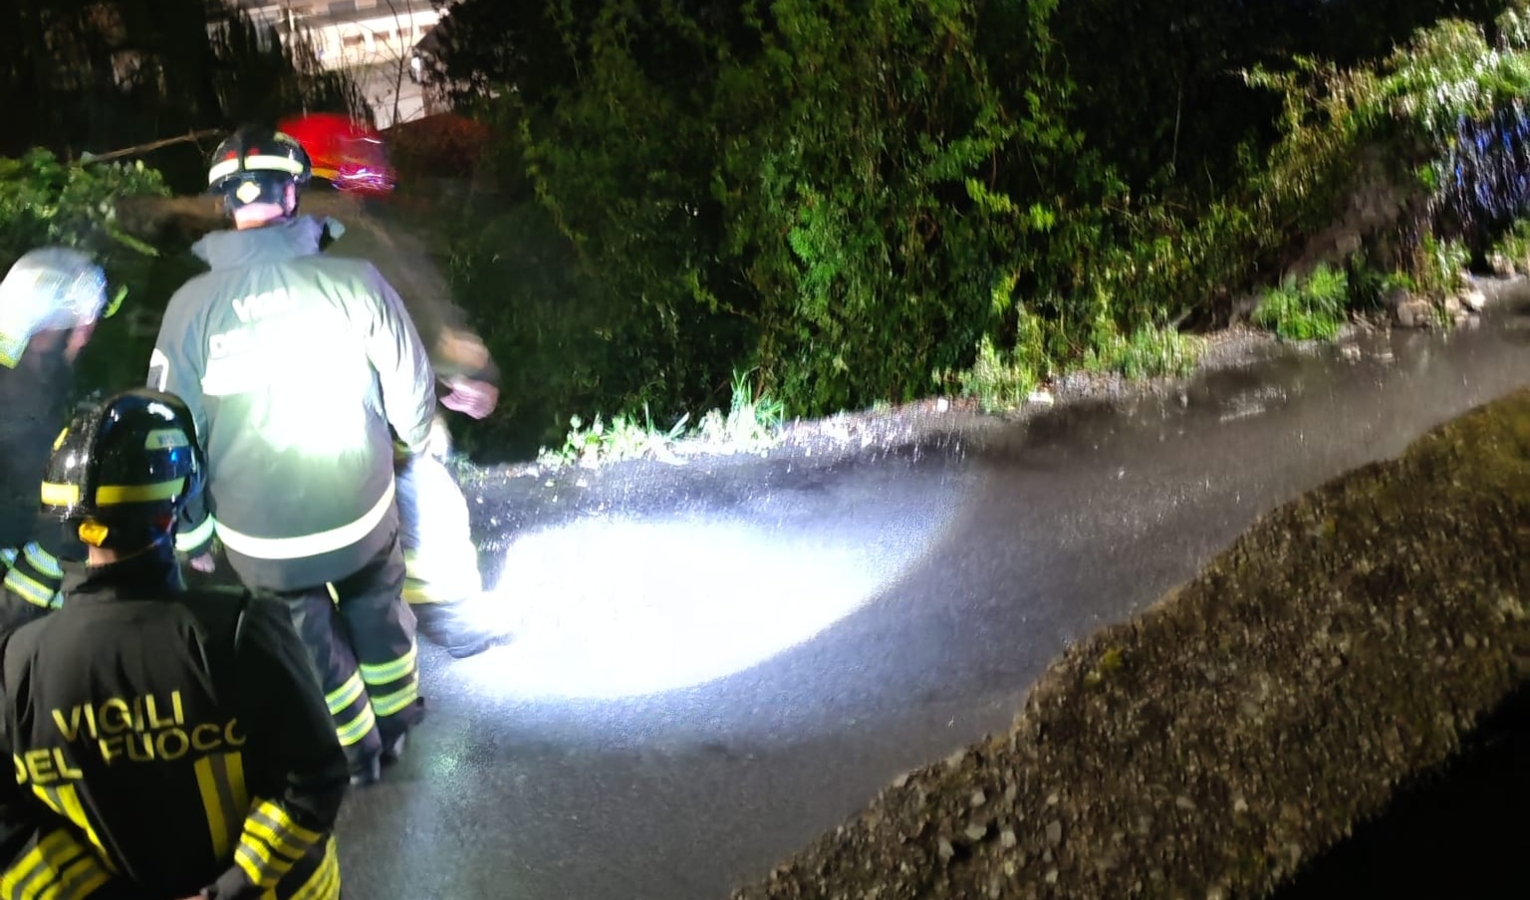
{"x":470,"y":397}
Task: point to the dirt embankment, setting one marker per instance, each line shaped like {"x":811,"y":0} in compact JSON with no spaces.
{"x":1248,"y":720}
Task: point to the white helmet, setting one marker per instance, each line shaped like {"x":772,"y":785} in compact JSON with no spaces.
{"x":48,"y":289}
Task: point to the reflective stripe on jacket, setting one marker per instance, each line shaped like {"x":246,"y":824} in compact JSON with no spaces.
{"x":299,"y":368}
{"x":134,"y":699}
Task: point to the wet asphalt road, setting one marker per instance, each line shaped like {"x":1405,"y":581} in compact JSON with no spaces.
{"x":720,"y":661}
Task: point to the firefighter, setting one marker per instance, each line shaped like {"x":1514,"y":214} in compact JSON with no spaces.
{"x":169,"y":743}
{"x":53,"y":296}
{"x":295,"y":366}
{"x":50,"y":302}
{"x":442,"y":581}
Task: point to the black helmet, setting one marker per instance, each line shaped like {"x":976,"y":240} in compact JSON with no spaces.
{"x":123,"y":469}
{"x":255,"y":164}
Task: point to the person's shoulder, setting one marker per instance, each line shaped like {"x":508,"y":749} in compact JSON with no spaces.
{"x":339,"y":264}
{"x":220,"y":608}
{"x":20,"y":644}
{"x":27,"y":634}
{"x":212,"y":602}
{"x":193,"y":292}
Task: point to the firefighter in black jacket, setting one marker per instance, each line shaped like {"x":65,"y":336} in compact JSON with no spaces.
{"x":169,"y":743}
{"x":298,"y":369}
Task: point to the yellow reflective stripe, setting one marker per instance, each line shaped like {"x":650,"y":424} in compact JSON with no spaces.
{"x":308,"y":544}
{"x":324,"y":883}
{"x":353,"y":731}
{"x":388,"y":672}
{"x":254,"y":163}
{"x":190,"y":540}
{"x":60,"y":494}
{"x":344,"y":695}
{"x":257,"y":860}
{"x":81,"y":880}
{"x":58,"y":868}
{"x":30,"y":870}
{"x":65,"y":800}
{"x":268,"y":844}
{"x":272,"y":842}
{"x":388,"y":704}
{"x":292,"y":836}
{"x":11,"y":349}
{"x":31,"y":590}
{"x":220,"y":778}
{"x":111,"y":494}
{"x":45,"y":562}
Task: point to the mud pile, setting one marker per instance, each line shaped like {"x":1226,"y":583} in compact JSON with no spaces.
{"x":1249,"y":719}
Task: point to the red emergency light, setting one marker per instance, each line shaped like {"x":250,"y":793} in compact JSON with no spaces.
{"x":349,"y":155}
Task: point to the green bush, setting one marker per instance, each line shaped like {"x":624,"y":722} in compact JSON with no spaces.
{"x":1310,"y":309}
{"x":860,"y":200}
{"x":46,"y":201}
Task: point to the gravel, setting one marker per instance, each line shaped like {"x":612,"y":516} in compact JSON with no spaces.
{"x":1249,"y":719}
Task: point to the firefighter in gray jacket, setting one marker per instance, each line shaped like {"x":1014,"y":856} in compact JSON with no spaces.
{"x":295,"y":365}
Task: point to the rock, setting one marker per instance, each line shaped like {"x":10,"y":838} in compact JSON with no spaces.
{"x":1415,"y":312}
{"x":1395,"y":298}
{"x":1054,"y":833}
{"x":1474,"y":300}
{"x":1347,"y":243}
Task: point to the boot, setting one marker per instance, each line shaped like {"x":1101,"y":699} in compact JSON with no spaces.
{"x":453,"y":626}
{"x":366,"y":771}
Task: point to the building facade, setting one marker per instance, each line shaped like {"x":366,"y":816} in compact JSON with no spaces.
{"x":374,"y":40}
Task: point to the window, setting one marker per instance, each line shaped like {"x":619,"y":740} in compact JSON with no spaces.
{"x":355,"y":40}
{"x":342,"y":6}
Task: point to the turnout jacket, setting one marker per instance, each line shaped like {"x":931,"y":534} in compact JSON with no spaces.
{"x":165,"y":742}
{"x":32,"y":574}
{"x":295,"y":366}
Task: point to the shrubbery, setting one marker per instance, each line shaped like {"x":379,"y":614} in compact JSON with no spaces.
{"x":864,"y":202}
{"x":46,"y":201}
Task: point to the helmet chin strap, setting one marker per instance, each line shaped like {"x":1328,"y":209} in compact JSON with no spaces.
{"x":132,"y":539}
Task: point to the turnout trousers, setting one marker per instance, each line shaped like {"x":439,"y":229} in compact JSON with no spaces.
{"x":361,"y":638}
{"x":440,"y":556}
